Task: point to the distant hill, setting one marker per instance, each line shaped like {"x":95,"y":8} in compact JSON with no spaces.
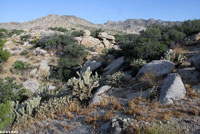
{"x":128,"y":26}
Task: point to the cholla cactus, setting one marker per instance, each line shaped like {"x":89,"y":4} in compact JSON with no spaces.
{"x":23,"y":112}
{"x":82,"y":86}
{"x":138,"y":63}
{"x":115,"y":80}
{"x":174,"y":57}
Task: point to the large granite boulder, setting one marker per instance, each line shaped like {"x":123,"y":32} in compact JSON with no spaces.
{"x":89,"y":41}
{"x":172,"y":89}
{"x":86,"y":33}
{"x":189,"y":75}
{"x":113,"y":66}
{"x":157,"y":67}
{"x":103,"y":35}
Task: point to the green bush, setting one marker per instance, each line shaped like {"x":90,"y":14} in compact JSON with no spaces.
{"x":60,"y":29}
{"x":95,"y":33}
{"x":4,"y":54}
{"x":73,"y":54}
{"x":5,"y":114}
{"x":15,"y":31}
{"x":7,"y":94}
{"x":25,"y":37}
{"x":65,"y":69}
{"x":52,"y":42}
{"x":19,"y":65}
{"x":77,"y":33}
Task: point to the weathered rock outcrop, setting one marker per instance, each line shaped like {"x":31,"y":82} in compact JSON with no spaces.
{"x":92,"y":64}
{"x":113,"y":66}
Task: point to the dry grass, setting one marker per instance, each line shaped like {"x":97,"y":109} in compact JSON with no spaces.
{"x":108,"y":115}
{"x":180,"y":49}
{"x":193,"y":111}
{"x":91,"y":119}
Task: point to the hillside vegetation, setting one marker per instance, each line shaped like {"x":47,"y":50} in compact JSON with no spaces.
{"x":82,"y":81}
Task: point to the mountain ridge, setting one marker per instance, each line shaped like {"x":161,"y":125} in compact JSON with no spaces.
{"x":69,"y":21}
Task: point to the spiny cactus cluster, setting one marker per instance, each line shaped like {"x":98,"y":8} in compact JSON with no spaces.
{"x":53,"y":105}
{"x":174,"y":57}
{"x":137,"y":63}
{"x":23,"y":111}
{"x":115,"y":80}
{"x":83,"y":85}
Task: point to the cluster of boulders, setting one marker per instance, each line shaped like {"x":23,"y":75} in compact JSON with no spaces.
{"x":99,"y":44}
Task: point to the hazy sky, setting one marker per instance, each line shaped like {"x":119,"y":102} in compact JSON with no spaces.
{"x":99,"y":11}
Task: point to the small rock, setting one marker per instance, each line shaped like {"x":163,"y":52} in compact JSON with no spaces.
{"x":33,"y":72}
{"x":97,"y":98}
{"x":31,"y":85}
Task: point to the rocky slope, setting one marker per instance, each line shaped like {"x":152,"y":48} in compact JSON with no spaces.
{"x":113,"y":109}
{"x":129,"y":26}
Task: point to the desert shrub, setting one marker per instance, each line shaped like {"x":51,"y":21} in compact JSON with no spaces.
{"x":25,"y":37}
{"x":77,"y":33}
{"x":190,"y":27}
{"x":15,"y":31}
{"x":95,"y":33}
{"x":4,"y":54}
{"x":83,"y":85}
{"x":20,"y":65}
{"x":5,"y":114}
{"x":3,"y":32}
{"x":73,"y":55}
{"x":7,"y":92}
{"x":115,"y":80}
{"x":65,"y":69}
{"x":60,"y":29}
{"x":52,"y":42}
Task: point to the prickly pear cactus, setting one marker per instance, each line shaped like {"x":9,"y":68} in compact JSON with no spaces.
{"x":83,"y":85}
{"x":23,"y":112}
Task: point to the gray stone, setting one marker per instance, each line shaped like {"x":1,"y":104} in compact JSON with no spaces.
{"x":189,"y":75}
{"x":114,"y":66}
{"x":197,"y":63}
{"x":33,"y":72}
{"x":97,"y":98}
{"x":31,"y":85}
{"x":39,"y":51}
{"x":44,"y":68}
{"x":78,"y":39}
{"x":157,"y":67}
{"x":172,"y":89}
{"x":92,"y":64}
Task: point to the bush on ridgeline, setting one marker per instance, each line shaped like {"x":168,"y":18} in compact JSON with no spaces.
{"x":77,"y":33}
{"x":60,"y":29}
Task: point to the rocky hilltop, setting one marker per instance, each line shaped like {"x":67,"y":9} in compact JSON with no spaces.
{"x":128,"y":26}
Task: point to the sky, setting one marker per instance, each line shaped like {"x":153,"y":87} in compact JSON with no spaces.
{"x":100,"y":11}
